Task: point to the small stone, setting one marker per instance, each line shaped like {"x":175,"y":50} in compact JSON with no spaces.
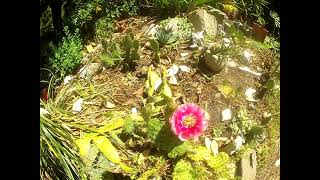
{"x":247,"y":69}
{"x":247,"y":168}
{"x":226,"y":42}
{"x":247,"y":55}
{"x":148,"y":45}
{"x":184,"y":68}
{"x":67,"y":79}
{"x":232,"y":64}
{"x":77,"y":106}
{"x":218,"y":96}
{"x":173,"y":80}
{"x":250,"y":94}
{"x":266,"y":115}
{"x":110,"y":105}
{"x":44,"y":112}
{"x":226,"y":115}
{"x":134,"y":111}
{"x":207,"y":142}
{"x":277,"y":163}
{"x":184,"y":54}
{"x":214,"y":147}
{"x":89,"y":48}
{"x":173,"y":70}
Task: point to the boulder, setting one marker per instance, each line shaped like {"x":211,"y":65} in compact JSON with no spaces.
{"x":219,"y":15}
{"x":203,"y":21}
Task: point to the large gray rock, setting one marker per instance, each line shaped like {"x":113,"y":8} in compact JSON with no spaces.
{"x":247,"y":167}
{"x":219,"y":15}
{"x":203,"y":21}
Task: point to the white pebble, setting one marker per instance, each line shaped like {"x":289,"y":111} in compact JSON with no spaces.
{"x":249,"y":94}
{"x":77,"y":106}
{"x":226,"y":115}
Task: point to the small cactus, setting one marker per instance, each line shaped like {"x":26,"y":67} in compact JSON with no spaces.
{"x":155,"y":47}
{"x":130,"y":47}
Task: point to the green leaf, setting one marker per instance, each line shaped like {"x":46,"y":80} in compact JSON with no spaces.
{"x":178,"y":150}
{"x":84,"y":146}
{"x":153,"y":82}
{"x":107,"y":148}
{"x":167,"y":91}
{"x":113,"y":124}
{"x":128,"y":169}
{"x":154,"y":127}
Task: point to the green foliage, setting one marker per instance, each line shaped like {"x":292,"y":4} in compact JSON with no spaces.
{"x":199,"y":153}
{"x":159,"y":163}
{"x":154,"y":128}
{"x":103,"y":27}
{"x":185,"y":170}
{"x":58,"y":157}
{"x":168,"y":6}
{"x":219,"y":165}
{"x":130,"y":47}
{"x":46,"y":24}
{"x":112,"y":55}
{"x":66,"y":55}
{"x":85,"y":13}
{"x":173,"y":29}
{"x":251,"y":8}
{"x":241,"y":124}
{"x":165,"y":36}
{"x":179,"y":150}
{"x":182,"y":170}
{"x":155,"y":47}
{"x":256,"y":133}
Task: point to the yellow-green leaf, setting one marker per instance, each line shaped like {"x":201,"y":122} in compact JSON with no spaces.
{"x":167,"y":91}
{"x":113,"y":124}
{"x":107,"y":149}
{"x":84,"y":146}
{"x":127,"y":169}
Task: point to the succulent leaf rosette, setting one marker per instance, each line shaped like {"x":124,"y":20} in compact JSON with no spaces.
{"x":188,"y":121}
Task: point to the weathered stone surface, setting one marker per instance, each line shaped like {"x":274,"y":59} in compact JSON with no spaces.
{"x":90,"y":69}
{"x":203,"y":21}
{"x":213,"y":62}
{"x":219,"y":15}
{"x":247,"y":166}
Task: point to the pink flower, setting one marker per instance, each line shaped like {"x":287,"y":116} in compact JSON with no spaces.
{"x":188,"y":121}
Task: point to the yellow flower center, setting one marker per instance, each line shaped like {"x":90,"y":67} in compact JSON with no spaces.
{"x":189,"y":121}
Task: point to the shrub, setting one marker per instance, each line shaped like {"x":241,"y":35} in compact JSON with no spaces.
{"x":66,"y":55}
